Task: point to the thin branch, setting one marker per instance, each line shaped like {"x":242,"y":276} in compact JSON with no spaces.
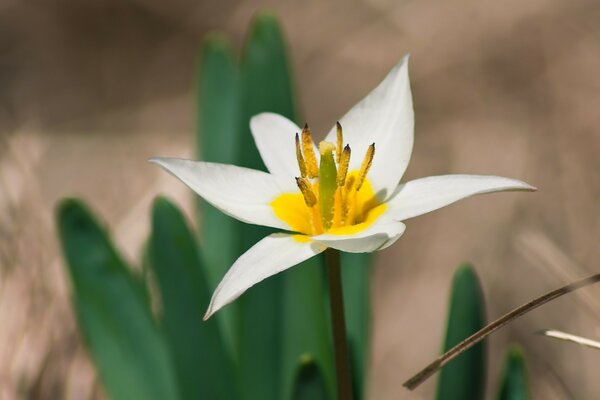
{"x":553,"y":333}
{"x":454,"y":352}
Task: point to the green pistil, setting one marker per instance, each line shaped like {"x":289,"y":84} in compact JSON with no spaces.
{"x":327,"y":183}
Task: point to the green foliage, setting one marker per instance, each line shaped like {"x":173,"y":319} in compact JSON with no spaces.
{"x":265,"y":87}
{"x":275,"y":341}
{"x":218,"y":95}
{"x":357,"y":310}
{"x":464,"y":378}
{"x":203,"y":367}
{"x":284,"y":317}
{"x":128,"y":349}
{"x":309,"y":384}
{"x":513,"y":384}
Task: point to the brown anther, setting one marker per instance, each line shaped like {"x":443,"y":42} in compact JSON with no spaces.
{"x":306,"y":188}
{"x":343,"y":163}
{"x":340,"y":142}
{"x":301,"y":163}
{"x":312,"y":169}
{"x":366,"y":164}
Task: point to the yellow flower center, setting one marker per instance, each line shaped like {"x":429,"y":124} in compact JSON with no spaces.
{"x":332,"y":199}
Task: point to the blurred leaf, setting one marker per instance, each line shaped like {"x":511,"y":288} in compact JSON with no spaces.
{"x":273,"y":324}
{"x":218,"y":94}
{"x":306,"y":330}
{"x":219,"y":129}
{"x":357,"y":310}
{"x":128,"y":349}
{"x":514,"y":376}
{"x":203,"y":368}
{"x":267,"y":83}
{"x":464,"y":378}
{"x":309,"y":383}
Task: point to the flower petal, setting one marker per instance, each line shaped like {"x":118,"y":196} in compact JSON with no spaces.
{"x":242,"y":193}
{"x":376,"y":237}
{"x":274,"y":137}
{"x":427,"y":194}
{"x":385,"y":117}
{"x":273,"y":254}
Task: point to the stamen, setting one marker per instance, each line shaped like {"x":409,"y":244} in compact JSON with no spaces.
{"x":350,"y":183}
{"x":366,"y":164}
{"x":301,"y":163}
{"x":310,"y":160}
{"x":343,"y":163}
{"x":349,"y":200}
{"x":338,"y":208}
{"x":340,"y":142}
{"x":306,"y":188}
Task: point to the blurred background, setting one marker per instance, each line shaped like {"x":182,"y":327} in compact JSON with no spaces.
{"x":90,"y":90}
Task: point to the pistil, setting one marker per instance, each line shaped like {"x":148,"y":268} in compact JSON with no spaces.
{"x":327,"y":183}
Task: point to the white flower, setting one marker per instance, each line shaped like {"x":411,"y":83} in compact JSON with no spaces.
{"x":344,"y":197}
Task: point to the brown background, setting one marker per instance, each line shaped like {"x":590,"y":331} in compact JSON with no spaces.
{"x":90,"y":90}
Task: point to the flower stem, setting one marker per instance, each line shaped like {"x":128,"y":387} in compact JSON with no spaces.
{"x":336,"y":301}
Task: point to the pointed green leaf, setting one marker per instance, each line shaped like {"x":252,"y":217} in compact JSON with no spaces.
{"x":202,"y":365}
{"x":514,"y":376}
{"x":218,"y":97}
{"x":357,"y":310}
{"x":272,"y":311}
{"x":263,"y":65}
{"x":113,"y":314}
{"x":267,"y":83}
{"x":218,"y":94}
{"x":306,"y":326}
{"x":309,"y":383}
{"x":464,"y":378}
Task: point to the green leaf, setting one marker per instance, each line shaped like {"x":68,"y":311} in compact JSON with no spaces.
{"x":357,"y":310}
{"x":276,"y":314}
{"x":306,"y":326}
{"x":203,"y":367}
{"x":113,"y":314}
{"x":309,"y":383}
{"x":218,"y":94}
{"x":464,"y":378}
{"x":267,"y":83}
{"x":514,"y":376}
{"x":260,"y":339}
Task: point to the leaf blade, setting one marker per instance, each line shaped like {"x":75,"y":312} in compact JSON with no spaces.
{"x":202,"y":364}
{"x":113,"y":314}
{"x":464,"y":378}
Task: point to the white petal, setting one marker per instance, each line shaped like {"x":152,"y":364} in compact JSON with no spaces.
{"x":385,"y":117}
{"x":376,"y":237}
{"x":427,"y":194}
{"x":274,"y":136}
{"x":271,"y":255}
{"x":242,"y":193}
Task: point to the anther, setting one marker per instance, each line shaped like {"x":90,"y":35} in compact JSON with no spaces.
{"x":340,"y":142}
{"x":366,"y":164}
{"x":306,"y":188}
{"x":312,"y":170}
{"x":301,"y":163}
{"x":343,"y":163}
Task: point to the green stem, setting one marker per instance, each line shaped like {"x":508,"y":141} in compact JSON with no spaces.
{"x":342,"y":364}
